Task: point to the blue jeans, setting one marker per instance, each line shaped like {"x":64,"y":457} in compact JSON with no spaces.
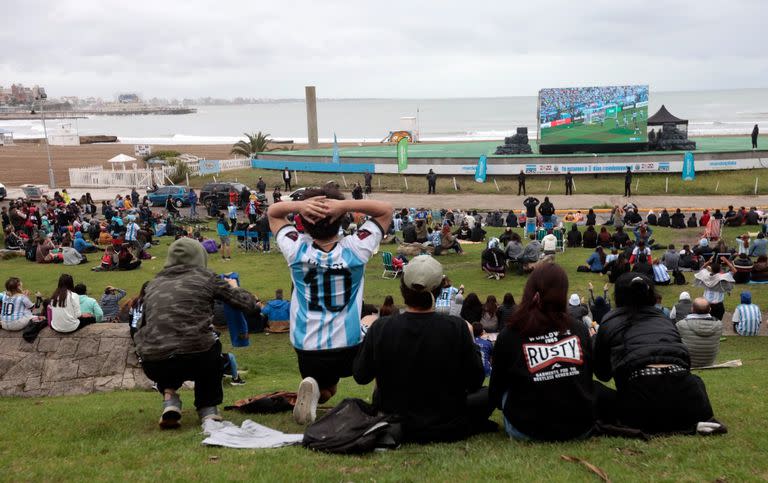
{"x":517,"y":435}
{"x":511,"y":430}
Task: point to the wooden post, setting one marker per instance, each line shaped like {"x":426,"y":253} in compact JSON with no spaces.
{"x":405,"y":180}
{"x":497,"y":184}
{"x":666,"y":185}
{"x":756,"y":178}
{"x":187,"y":175}
{"x":637,"y":183}
{"x":455,"y":186}
{"x":344,"y":179}
{"x":549,"y":186}
{"x":717,"y":186}
{"x":296,"y":176}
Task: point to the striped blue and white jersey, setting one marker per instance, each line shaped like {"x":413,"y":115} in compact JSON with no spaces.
{"x":327,"y":286}
{"x":131,"y":231}
{"x":746,"y":319}
{"x":15,"y":307}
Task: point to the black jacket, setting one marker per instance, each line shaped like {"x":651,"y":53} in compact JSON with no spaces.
{"x":478,"y":234}
{"x":530,"y":204}
{"x":424,"y":366}
{"x":547,"y":209}
{"x":591,"y":219}
{"x":664,"y":219}
{"x":620,"y":238}
{"x":574,"y":238}
{"x":631,"y":338}
{"x":548,"y":379}
{"x":409,"y":233}
{"x":589,"y":240}
{"x":493,"y":257}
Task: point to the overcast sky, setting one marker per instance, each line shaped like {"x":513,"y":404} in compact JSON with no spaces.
{"x":419,"y":48}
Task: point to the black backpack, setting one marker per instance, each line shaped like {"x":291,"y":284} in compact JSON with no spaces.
{"x":31,"y":253}
{"x":679,"y":278}
{"x":352,"y":427}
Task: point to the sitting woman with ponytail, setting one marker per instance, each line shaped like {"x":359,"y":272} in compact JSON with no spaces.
{"x":642,"y":351}
{"x":542,"y":367}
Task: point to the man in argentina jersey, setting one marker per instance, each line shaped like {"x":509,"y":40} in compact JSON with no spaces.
{"x":328,"y":277}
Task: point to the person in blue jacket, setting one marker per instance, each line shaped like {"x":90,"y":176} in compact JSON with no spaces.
{"x":596,"y":261}
{"x":83,"y":246}
{"x":277,"y":309}
{"x":192,"y":198}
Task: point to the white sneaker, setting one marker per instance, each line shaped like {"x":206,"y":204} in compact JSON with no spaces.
{"x":305,"y":410}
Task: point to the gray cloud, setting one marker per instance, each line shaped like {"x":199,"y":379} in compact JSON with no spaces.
{"x":366,"y":49}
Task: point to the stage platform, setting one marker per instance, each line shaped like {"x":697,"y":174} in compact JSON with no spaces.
{"x":460,"y":158}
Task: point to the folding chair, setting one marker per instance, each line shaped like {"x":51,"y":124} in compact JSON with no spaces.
{"x":390,"y":272}
{"x":560,"y":240}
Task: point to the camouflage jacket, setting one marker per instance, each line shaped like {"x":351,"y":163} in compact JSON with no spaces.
{"x":178,"y":311}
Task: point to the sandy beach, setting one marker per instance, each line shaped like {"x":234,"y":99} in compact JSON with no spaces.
{"x":28,"y":163}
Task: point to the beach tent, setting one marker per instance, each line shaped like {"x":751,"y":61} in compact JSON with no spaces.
{"x":121,"y":159}
{"x":663,"y":116}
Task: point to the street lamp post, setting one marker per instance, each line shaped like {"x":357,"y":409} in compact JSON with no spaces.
{"x":51,"y":179}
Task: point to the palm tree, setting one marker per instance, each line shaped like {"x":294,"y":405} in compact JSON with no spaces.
{"x":255,"y":144}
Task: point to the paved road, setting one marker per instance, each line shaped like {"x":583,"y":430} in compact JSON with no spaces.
{"x":506,"y":202}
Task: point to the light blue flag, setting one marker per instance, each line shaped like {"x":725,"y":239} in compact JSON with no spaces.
{"x":209,"y":166}
{"x":336,"y":159}
{"x":689,"y":171}
{"x":480,"y":170}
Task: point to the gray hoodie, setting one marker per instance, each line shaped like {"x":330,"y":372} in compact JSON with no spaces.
{"x":178,"y":305}
{"x":701,"y":334}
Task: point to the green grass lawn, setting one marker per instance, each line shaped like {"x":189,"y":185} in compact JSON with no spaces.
{"x":114,"y":436}
{"x":706,"y":183}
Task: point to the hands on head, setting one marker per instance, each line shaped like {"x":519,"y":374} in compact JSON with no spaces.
{"x":320,"y":207}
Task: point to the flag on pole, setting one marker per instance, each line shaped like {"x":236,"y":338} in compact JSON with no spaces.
{"x":689,"y":172}
{"x":336,"y":159}
{"x":402,"y":155}
{"x":481,"y":169}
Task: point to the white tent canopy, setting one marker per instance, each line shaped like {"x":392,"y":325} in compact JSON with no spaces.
{"x":121,"y":159}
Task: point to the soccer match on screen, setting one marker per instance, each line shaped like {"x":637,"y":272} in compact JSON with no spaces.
{"x":593,"y":115}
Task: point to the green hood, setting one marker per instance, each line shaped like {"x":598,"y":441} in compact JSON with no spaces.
{"x":186,"y":251}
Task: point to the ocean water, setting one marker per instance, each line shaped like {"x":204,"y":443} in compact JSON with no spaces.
{"x":723,"y":112}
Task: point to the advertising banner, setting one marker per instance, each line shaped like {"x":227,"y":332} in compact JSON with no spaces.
{"x":481,"y":169}
{"x":336,"y":158}
{"x":689,"y":172}
{"x":402,"y":155}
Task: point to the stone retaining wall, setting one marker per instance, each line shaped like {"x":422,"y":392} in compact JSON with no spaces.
{"x":97,"y":358}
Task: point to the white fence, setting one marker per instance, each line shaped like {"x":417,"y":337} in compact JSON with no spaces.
{"x":98,"y":177}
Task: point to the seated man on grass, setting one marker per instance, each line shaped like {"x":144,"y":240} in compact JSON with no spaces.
{"x":701,"y":334}
{"x":328,"y":275}
{"x":278,"y":311}
{"x":427,"y":368}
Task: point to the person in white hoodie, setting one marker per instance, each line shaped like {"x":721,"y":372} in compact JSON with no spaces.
{"x":65,"y":307}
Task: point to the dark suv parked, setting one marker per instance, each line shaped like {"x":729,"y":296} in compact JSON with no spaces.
{"x":218,"y":193}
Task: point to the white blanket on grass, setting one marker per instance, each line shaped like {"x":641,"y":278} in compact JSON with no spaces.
{"x":249,"y":435}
